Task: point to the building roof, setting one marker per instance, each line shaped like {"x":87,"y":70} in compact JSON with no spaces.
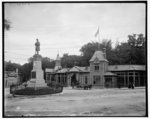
{"x":110,"y":68}
{"x":11,"y":74}
{"x":126,"y":67}
{"x":49,"y":70}
{"x":64,"y":70}
{"x":84,"y":69}
{"x":57,"y":68}
{"x":109,"y":74}
{"x":98,"y":55}
{"x":74,"y":69}
{"x":11,"y":78}
{"x":57,"y":63}
{"x":79,"y":69}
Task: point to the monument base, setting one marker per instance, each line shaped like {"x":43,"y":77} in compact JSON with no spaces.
{"x":40,"y":83}
{"x":37,"y":74}
{"x":31,"y":83}
{"x":37,"y":83}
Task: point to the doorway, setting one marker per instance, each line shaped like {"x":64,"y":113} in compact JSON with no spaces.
{"x":131,"y":79}
{"x":108,"y":82}
{"x":73,"y":80}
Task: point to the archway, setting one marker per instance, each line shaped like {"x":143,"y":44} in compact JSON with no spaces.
{"x":108,"y":82}
{"x":73,"y":80}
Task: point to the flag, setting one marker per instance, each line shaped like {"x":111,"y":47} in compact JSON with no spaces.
{"x":97,"y":32}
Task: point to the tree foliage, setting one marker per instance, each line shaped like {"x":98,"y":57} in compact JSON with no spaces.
{"x":88,"y":50}
{"x":130,"y":52}
{"x":9,"y":66}
{"x":71,"y":60}
{"x":137,"y":46}
{"x":26,"y":71}
{"x":6,"y":24}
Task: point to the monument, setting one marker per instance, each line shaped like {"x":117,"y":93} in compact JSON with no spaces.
{"x":36,"y":85}
{"x":37,"y":74}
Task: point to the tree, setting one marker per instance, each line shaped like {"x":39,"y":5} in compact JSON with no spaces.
{"x":136,"y":40}
{"x":70,"y":60}
{"x":130,"y":52}
{"x":6,"y":24}
{"x":9,"y":66}
{"x":122,"y":54}
{"x":137,"y":52}
{"x":26,"y":71}
{"x":88,"y":50}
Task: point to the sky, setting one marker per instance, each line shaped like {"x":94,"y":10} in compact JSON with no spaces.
{"x":66,"y":27}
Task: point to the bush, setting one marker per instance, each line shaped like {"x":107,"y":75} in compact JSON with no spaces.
{"x":38,"y":91}
{"x":54,"y":84}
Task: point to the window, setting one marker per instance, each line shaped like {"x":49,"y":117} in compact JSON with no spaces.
{"x":33,"y":74}
{"x":136,"y":73}
{"x":130,"y":73}
{"x":96,"y":68}
{"x":120,"y":73}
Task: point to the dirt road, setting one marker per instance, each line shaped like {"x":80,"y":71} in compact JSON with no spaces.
{"x":72,"y":102}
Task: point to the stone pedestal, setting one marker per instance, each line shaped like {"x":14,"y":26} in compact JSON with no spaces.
{"x":37,"y":74}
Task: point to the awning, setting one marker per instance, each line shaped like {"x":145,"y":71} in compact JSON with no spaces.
{"x":109,"y":74}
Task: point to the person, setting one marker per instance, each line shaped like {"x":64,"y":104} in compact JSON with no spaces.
{"x":132,"y":85}
{"x":73,"y":85}
{"x":37,"y":47}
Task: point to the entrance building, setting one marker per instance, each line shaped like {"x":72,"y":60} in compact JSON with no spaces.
{"x":99,"y":73}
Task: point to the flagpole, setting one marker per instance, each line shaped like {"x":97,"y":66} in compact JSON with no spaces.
{"x":98,"y":39}
{"x":98,"y":36}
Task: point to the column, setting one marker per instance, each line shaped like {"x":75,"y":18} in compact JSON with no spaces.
{"x":128,"y":78}
{"x":56,"y":78}
{"x":50,"y":78}
{"x":63,"y":78}
{"x":124,"y":79}
{"x":68,"y":80}
{"x":144,"y":77}
{"x":138,"y":78}
{"x":60,"y":81}
{"x":46,"y":77}
{"x":134,"y":77}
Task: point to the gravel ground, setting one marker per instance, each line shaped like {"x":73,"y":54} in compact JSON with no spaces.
{"x":73,"y":102}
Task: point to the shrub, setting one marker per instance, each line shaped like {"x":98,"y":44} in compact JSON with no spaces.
{"x":54,"y":84}
{"x":38,"y":91}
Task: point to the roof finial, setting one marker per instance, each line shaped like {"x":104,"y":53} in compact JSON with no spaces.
{"x":104,"y":50}
{"x":57,"y":58}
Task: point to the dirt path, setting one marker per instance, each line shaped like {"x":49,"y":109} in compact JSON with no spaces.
{"x":95,"y":102}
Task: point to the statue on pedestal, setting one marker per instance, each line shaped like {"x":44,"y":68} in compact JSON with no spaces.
{"x":37,"y":47}
{"x":36,"y":85}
